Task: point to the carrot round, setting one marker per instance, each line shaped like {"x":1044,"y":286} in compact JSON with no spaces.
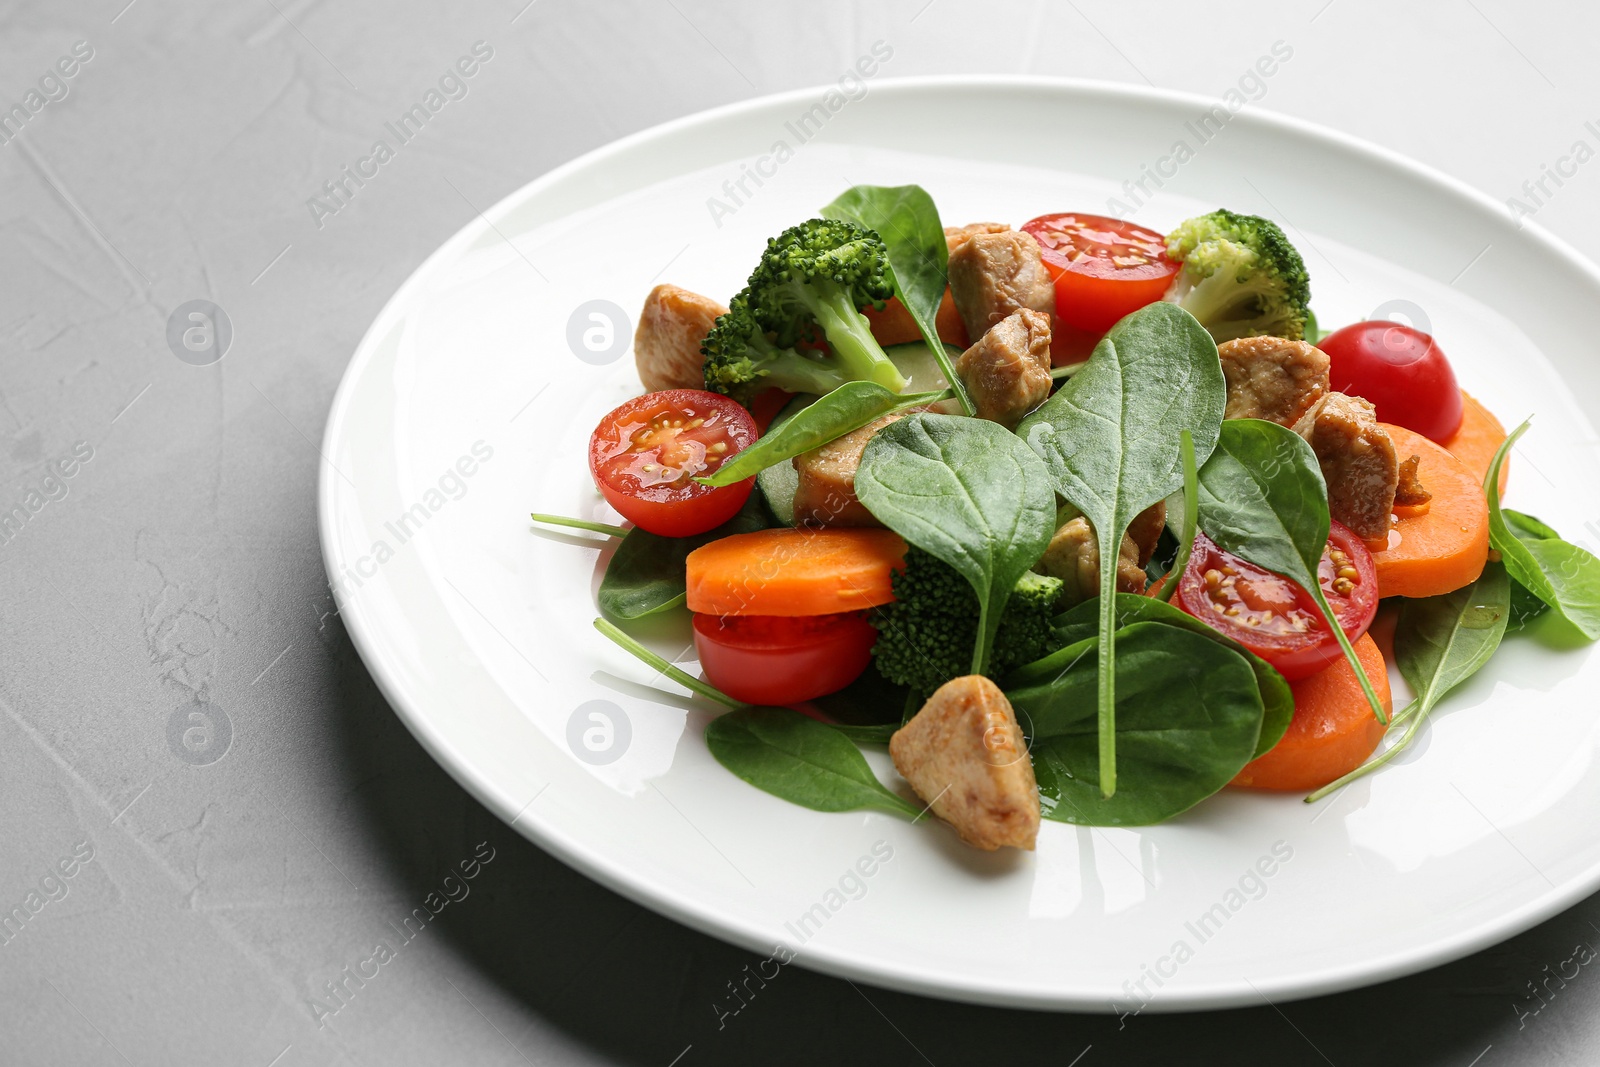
{"x":1445,"y":549}
{"x":895,"y":326}
{"x":1479,"y":438}
{"x":794,"y":572}
{"x":1333,"y":730}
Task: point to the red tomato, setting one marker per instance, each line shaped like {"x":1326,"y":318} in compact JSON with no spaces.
{"x":1104,"y":268}
{"x":1402,"y":371}
{"x":1272,"y":616}
{"x":780,"y":659}
{"x":645,"y":455}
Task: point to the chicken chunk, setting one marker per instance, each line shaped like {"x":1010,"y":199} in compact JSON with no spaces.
{"x":666,"y":346}
{"x":994,"y":274}
{"x":956,"y":236}
{"x":1272,"y":378}
{"x":1410,"y":492}
{"x":1008,"y":370}
{"x":1145,"y":530}
{"x":965,"y":756}
{"x":826,"y":495}
{"x":1358,"y":462}
{"x":1074,"y":556}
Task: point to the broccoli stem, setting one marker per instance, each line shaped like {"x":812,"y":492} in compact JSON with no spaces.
{"x":850,"y":337}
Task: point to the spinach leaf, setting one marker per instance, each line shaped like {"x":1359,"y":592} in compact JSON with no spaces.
{"x":1526,"y":607}
{"x":1187,"y":521}
{"x":876,"y":734}
{"x":1081,"y":624}
{"x":1263,"y":498}
{"x":799,"y":759}
{"x":1188,"y":719}
{"x":847,"y":408}
{"x":1561,"y":574}
{"x":1110,"y":440}
{"x":968,"y":492}
{"x":908,"y":221}
{"x":1439,"y":643}
{"x":646,"y":575}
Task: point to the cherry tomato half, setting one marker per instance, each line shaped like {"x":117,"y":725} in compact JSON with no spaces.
{"x":779,"y":659}
{"x":645,"y":455}
{"x":1402,"y":371}
{"x":1104,"y":268}
{"x":1272,"y":616}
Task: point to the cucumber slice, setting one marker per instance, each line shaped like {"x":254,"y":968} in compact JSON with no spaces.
{"x":779,"y":482}
{"x":916,"y":361}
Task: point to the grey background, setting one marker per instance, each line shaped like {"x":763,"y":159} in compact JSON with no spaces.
{"x":180,"y":573}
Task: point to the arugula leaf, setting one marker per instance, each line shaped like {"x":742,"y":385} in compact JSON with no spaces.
{"x":968,"y":492}
{"x":908,"y":221}
{"x":1439,"y":643}
{"x":1189,"y":717}
{"x":801,"y":760}
{"x":1110,"y":440}
{"x":1564,"y":576}
{"x":1263,"y":498}
{"x":1081,"y":624}
{"x":849,"y":407}
{"x":646,"y":574}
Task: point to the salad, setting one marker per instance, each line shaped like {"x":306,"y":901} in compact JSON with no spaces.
{"x":1083,"y":521}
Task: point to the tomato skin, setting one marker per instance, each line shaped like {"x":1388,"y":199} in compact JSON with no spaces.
{"x":777,"y":660}
{"x":1402,"y":371}
{"x":1295,"y":654}
{"x":645,"y":454}
{"x":1104,"y":268}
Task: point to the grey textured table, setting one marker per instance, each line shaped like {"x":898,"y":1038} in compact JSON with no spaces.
{"x":210,"y":813}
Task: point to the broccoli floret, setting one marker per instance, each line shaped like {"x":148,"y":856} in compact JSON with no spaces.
{"x":1241,"y":277}
{"x":926,"y":635}
{"x":809,"y":285}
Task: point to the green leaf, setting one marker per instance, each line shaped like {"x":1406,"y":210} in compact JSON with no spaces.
{"x":1439,"y":643}
{"x":1526,"y":607}
{"x":1189,"y":717}
{"x":847,"y":408}
{"x":1110,"y":438}
{"x":1187,"y":505}
{"x":1564,"y":576}
{"x":1263,"y":498}
{"x":968,"y":492}
{"x":646,"y":574}
{"x":1081,"y":624}
{"x":908,"y":221}
{"x":799,"y":759}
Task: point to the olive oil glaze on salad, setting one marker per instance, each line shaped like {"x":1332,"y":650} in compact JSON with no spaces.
{"x":1083,"y":521}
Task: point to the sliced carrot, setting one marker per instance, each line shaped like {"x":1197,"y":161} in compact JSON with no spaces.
{"x":895,"y":326}
{"x":794,"y":572}
{"x":1333,"y":730}
{"x":1479,"y":438}
{"x":1447,"y":548}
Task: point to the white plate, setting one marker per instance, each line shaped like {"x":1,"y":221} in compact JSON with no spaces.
{"x":478,"y":628}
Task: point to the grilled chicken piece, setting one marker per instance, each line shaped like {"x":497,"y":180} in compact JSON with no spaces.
{"x":1410,"y":491}
{"x":1145,"y":530}
{"x":1008,"y":371}
{"x":826,"y":495}
{"x":994,"y":274}
{"x":965,"y":756}
{"x":1358,"y":462}
{"x":1074,"y":556}
{"x":956,"y":236}
{"x":666,"y":346}
{"x":1272,"y":378}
